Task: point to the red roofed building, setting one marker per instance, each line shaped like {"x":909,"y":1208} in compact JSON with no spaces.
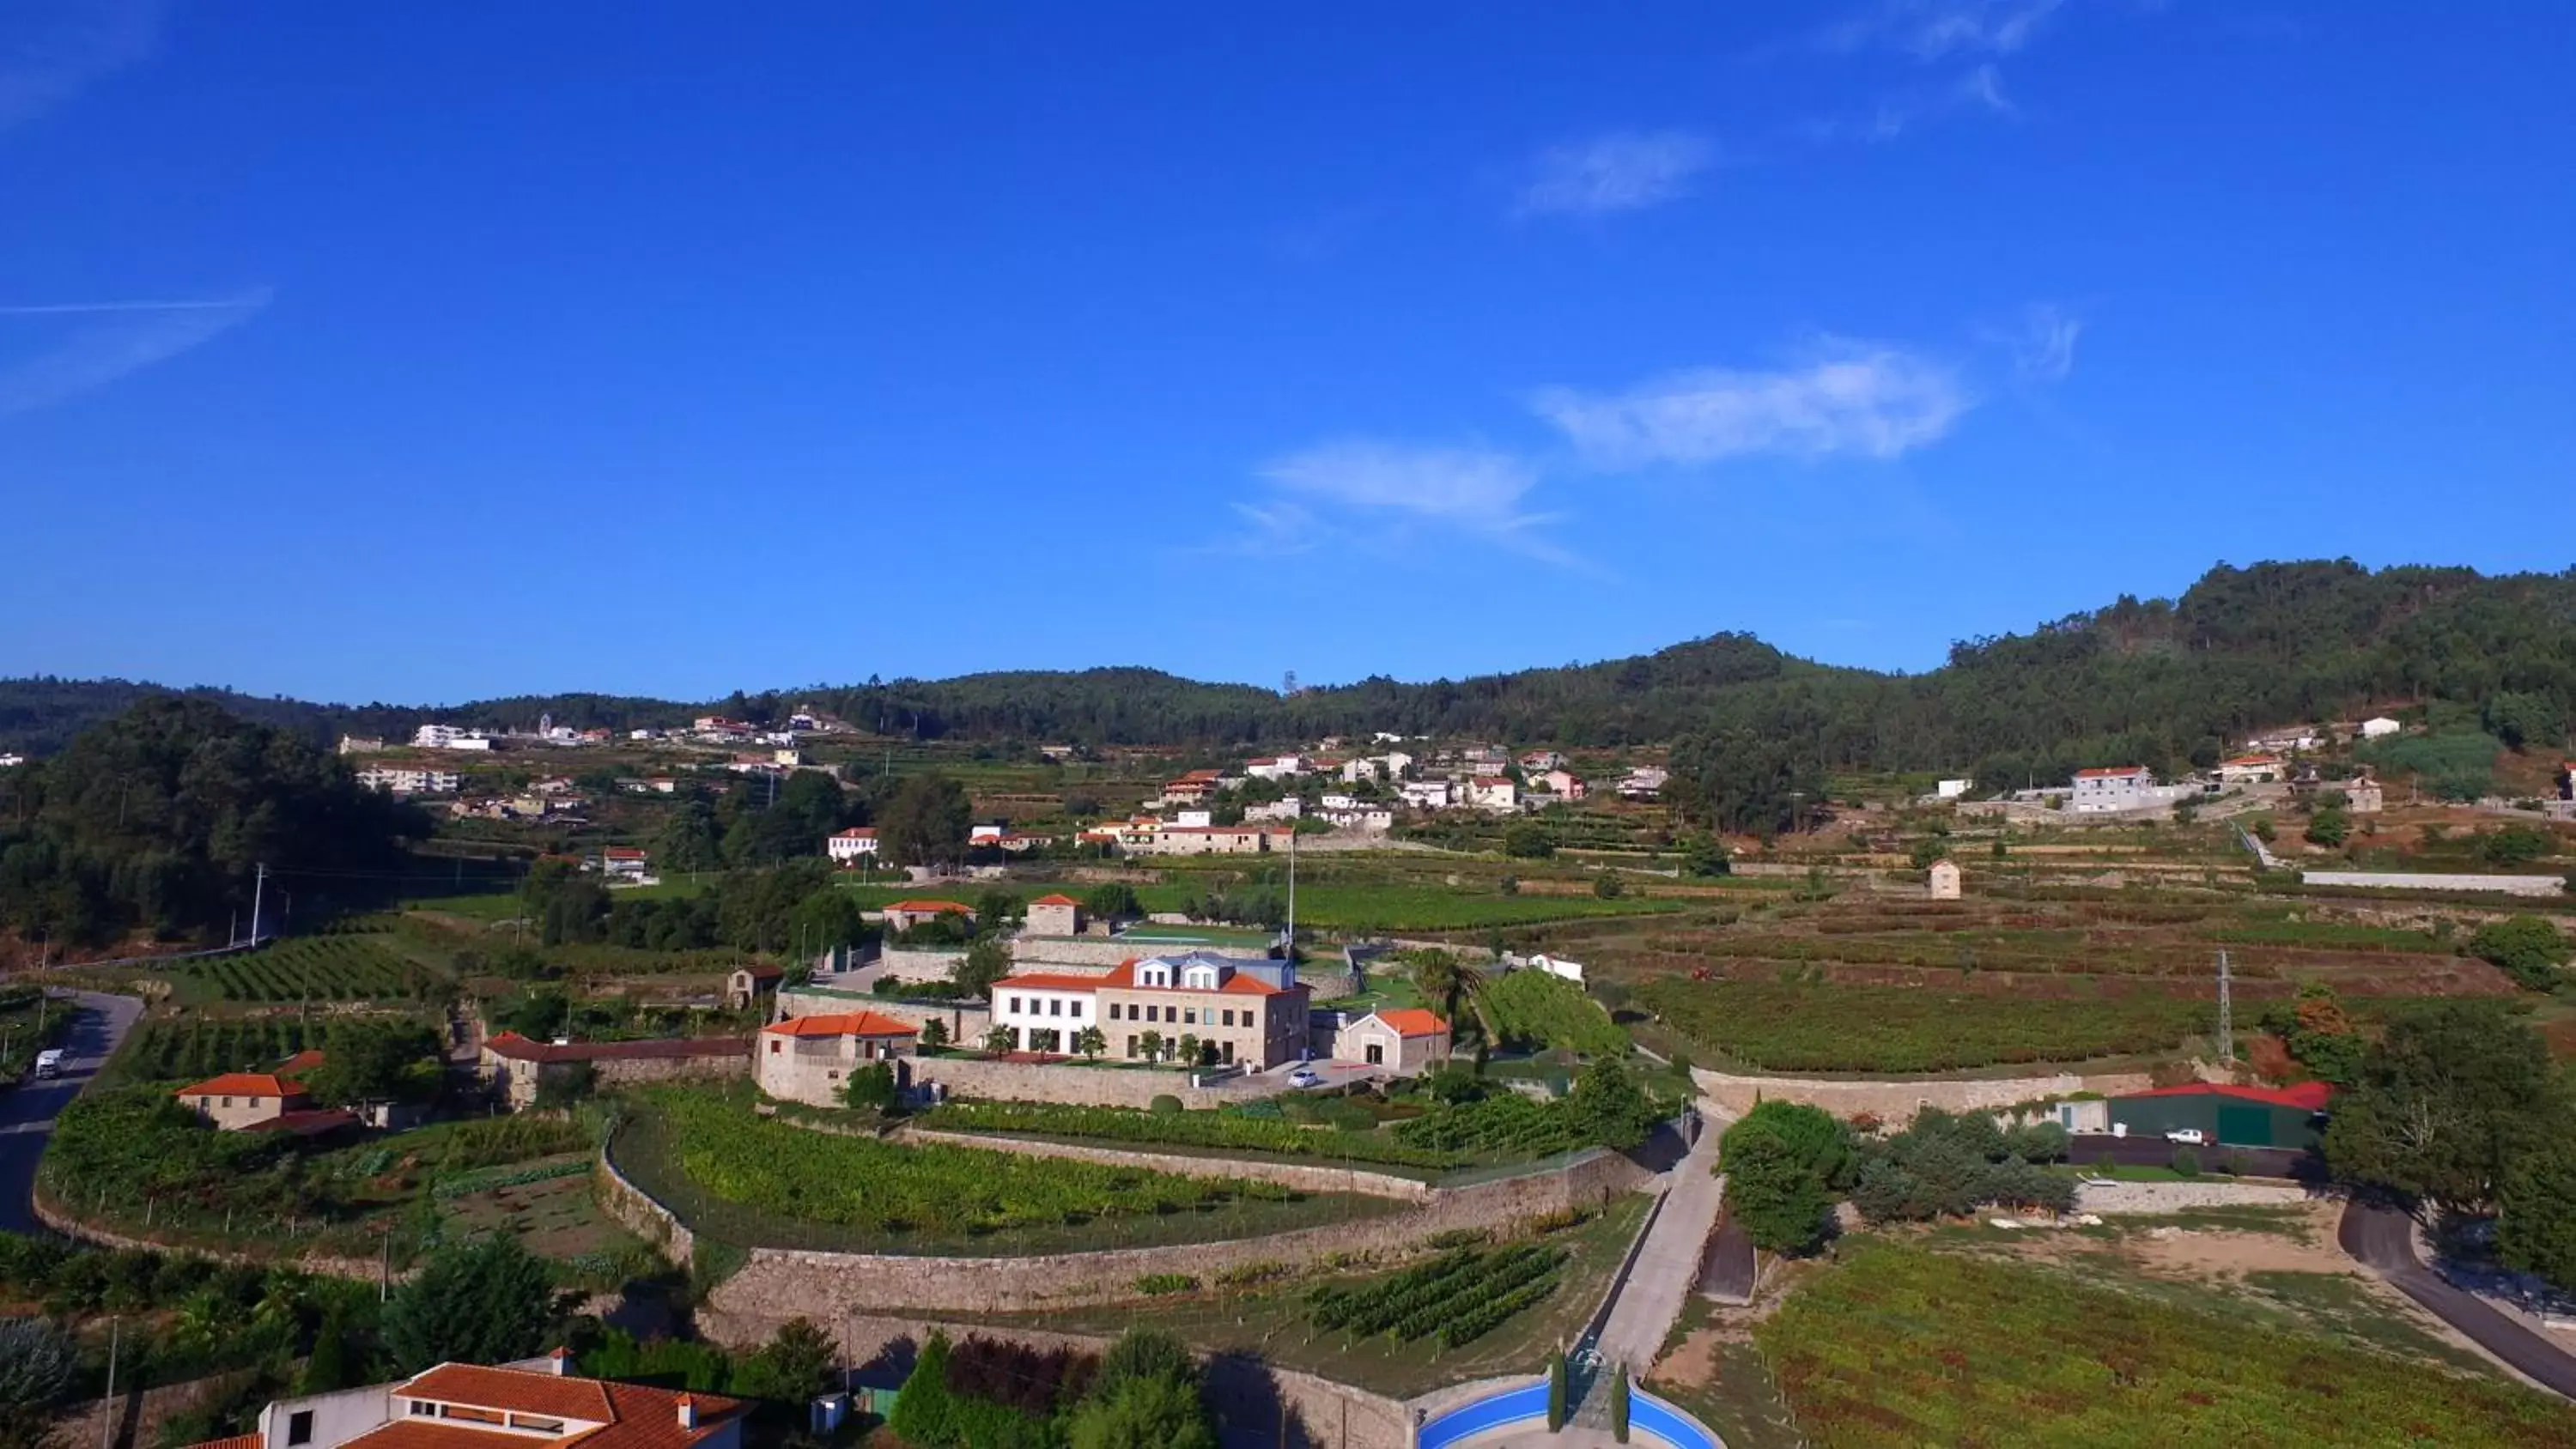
{"x":2125,"y":787}
{"x":1053,"y":915}
{"x":1406,"y":1042}
{"x":2227,"y":1115}
{"x":2249,"y":770}
{"x":852,"y":846}
{"x":236,"y":1101}
{"x":537,"y":1405}
{"x":904,"y":915}
{"x":1252,"y":1012}
{"x":517,"y":1066}
{"x":807,"y":1058}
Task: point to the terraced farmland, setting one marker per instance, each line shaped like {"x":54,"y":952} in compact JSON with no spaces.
{"x":308,"y":969}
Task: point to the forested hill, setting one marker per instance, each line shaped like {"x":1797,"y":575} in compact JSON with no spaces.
{"x":2154,"y":681}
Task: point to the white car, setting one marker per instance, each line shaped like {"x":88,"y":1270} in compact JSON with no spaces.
{"x":1304,"y":1078}
{"x":2187,"y":1136}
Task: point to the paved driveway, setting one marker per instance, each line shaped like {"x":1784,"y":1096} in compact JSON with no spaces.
{"x":2384,"y":1239}
{"x":27,"y":1112}
{"x":1669,"y":1262}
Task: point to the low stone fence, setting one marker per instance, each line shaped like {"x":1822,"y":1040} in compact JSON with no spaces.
{"x":1304,"y":1177}
{"x":1896,"y":1100}
{"x":2176,"y":1197}
{"x":132,"y":1419}
{"x":906,"y":963}
{"x":638,"y":1212}
{"x":1081,"y":1086}
{"x":1258,"y":1405}
{"x":52,"y":1215}
{"x":788,"y":1283}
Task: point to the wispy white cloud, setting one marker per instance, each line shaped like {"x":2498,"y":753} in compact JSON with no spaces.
{"x":1625,"y":171}
{"x":52,"y":50}
{"x":1979,"y":90}
{"x":1932,"y":30}
{"x":126,"y":337}
{"x":2043,"y":349}
{"x":1372,"y":485}
{"x":1864,"y":399}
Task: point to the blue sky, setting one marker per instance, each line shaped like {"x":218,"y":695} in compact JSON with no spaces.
{"x":425,"y":352}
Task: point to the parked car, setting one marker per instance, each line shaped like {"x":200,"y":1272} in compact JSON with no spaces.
{"x":49,"y":1062}
{"x":1302,"y":1077}
{"x":2187,"y":1136}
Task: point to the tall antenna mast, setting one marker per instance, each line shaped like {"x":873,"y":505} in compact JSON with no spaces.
{"x":1292,"y":889}
{"x":2226,"y":1014}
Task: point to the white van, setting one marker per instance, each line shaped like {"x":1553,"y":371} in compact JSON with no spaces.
{"x":49,"y":1062}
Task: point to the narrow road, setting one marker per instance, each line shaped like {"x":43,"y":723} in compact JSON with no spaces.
{"x":1668,"y":1265}
{"x":27,"y":1112}
{"x":2384,"y":1239}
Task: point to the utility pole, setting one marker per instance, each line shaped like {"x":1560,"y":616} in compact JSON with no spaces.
{"x":2226,"y":1014}
{"x":1292,"y":891}
{"x":259,"y":886}
{"x":108,"y":1416}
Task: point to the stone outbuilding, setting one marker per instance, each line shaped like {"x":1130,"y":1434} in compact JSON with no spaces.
{"x":1407,"y":1041}
{"x":517,"y":1066}
{"x":807,"y":1058}
{"x":904,"y":915}
{"x":1941,"y":882}
{"x":1055,"y":915}
{"x":752,"y":985}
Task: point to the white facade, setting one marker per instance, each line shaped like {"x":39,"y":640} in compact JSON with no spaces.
{"x":854,"y":844}
{"x":1285,"y":808}
{"x":1644,"y":782}
{"x":1194,"y":819}
{"x":1941,"y":882}
{"x":2379,"y":728}
{"x":1028,"y":1006}
{"x":449,"y":737}
{"x":1493,"y":792}
{"x":409,"y":780}
{"x":1354,"y":771}
{"x":1427,"y":794}
{"x":1279,"y":768}
{"x":1372,"y":818}
{"x":1952,"y":789}
{"x":1558,"y":966}
{"x":2099,"y":791}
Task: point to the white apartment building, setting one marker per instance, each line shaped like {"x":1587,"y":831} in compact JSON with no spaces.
{"x":1644,"y":782}
{"x":409,"y":780}
{"x":449,"y":737}
{"x":1496,"y":793}
{"x":2379,"y":727}
{"x":1279,"y":768}
{"x":851,"y":846}
{"x":2123,"y":787}
{"x":1354,"y":771}
{"x":1427,"y":794}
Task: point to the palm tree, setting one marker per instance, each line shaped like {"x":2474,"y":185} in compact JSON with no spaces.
{"x":1442,"y":977}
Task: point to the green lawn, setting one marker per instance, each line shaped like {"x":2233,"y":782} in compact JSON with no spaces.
{"x":1904,"y":1346}
{"x":1821,"y":1027}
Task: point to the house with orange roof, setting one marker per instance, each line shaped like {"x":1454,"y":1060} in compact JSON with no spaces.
{"x":1406,"y":1041}
{"x":1053,"y":915}
{"x":904,"y":915}
{"x":808,"y":1058}
{"x":535,"y":1404}
{"x":1244,"y":1011}
{"x":2249,"y":770}
{"x":238,"y":1101}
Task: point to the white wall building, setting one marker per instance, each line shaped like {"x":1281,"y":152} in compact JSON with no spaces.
{"x":1496,"y":793}
{"x":409,"y":780}
{"x":2379,"y":727}
{"x":2122,"y":787}
{"x":1044,"y":1013}
{"x":1278,"y":768}
{"x":1427,"y":794}
{"x":851,"y":846}
{"x":449,"y":737}
{"x":1952,"y":789}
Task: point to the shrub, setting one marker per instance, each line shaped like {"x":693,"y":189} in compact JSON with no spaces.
{"x":2526,"y":948}
{"x":2186,"y":1162}
{"x":1157,"y":1285}
{"x":1555,"y":1391}
{"x":872,"y":1087}
{"x":1165,"y":1105}
{"x":1619,"y":1403}
{"x":1609,"y":887}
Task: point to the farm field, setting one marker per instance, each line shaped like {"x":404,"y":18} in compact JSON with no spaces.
{"x":1206,"y":1128}
{"x":748,"y":1180}
{"x":1277,"y":1319}
{"x":1904,"y":1346}
{"x":164,"y":1050}
{"x":1822,"y":1027}
{"x":318,"y":969}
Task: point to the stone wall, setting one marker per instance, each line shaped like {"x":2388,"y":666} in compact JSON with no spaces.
{"x":906,"y":963}
{"x":635,"y":1209}
{"x":51,"y":1214}
{"x":826,"y":1287}
{"x":137,"y":1418}
{"x":1304,"y":1178}
{"x":2176,"y":1197}
{"x":1071,"y":955}
{"x":1728,"y":1095}
{"x":1253,"y":1401}
{"x":967,"y":1076}
{"x":622,"y":1071}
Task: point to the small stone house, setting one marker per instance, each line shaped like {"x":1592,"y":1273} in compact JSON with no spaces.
{"x":237,"y":1101}
{"x":517,"y":1066}
{"x":752,"y":985}
{"x":1942,"y":880}
{"x":1055,"y":915}
{"x":807,"y":1058}
{"x":904,"y":915}
{"x":1406,"y":1042}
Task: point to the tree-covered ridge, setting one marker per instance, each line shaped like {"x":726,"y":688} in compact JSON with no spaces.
{"x":2159,"y":682}
{"x":158,"y":819}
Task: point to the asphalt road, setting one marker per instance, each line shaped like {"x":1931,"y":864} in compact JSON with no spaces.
{"x":27,"y":1112}
{"x":2384,"y":1238}
{"x":2157,"y":1152}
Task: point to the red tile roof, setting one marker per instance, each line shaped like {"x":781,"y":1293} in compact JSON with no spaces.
{"x":1238,"y":983}
{"x":518,"y":1048}
{"x":628,"y":1416}
{"x":236,"y":1441}
{"x":1414,"y":1021}
{"x":2252,"y":760}
{"x":300,"y":1063}
{"x":1055,"y":900}
{"x":520,"y":1390}
{"x":763,"y":971}
{"x":309,"y":1123}
{"x":243,"y":1084}
{"x":933,"y":908}
{"x":847,"y":1023}
{"x":2306,"y":1096}
{"x":2097,"y":774}
{"x":1040,"y":981}
{"x":857,"y":832}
